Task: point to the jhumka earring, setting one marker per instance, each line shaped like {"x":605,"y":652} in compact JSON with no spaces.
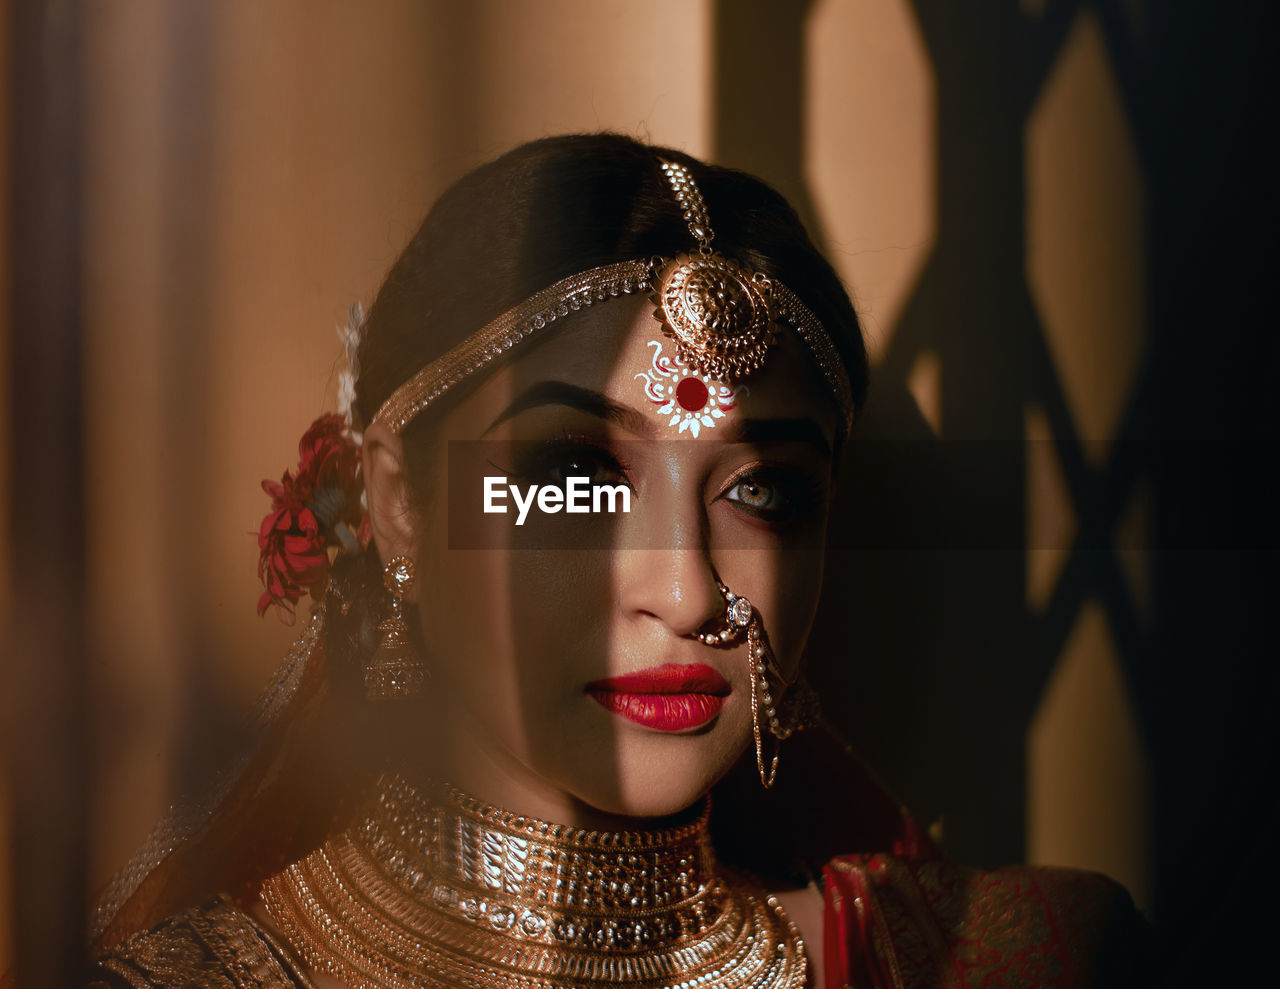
{"x":395,"y":669}
{"x":794,"y":710}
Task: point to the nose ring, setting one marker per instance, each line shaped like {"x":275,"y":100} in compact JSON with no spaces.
{"x":737,"y":616}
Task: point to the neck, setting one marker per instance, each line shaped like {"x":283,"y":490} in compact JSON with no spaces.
{"x":494,"y":783}
{"x":441,"y":740}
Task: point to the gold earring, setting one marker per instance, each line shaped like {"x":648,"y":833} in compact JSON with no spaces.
{"x":395,"y":669}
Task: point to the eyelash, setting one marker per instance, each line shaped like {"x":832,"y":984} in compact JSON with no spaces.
{"x":536,"y":464}
{"x":800,"y":494}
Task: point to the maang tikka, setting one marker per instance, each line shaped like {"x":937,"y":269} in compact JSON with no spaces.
{"x":395,"y":669}
{"x":717,"y":313}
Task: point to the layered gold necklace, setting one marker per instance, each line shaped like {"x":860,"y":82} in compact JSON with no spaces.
{"x":433,"y":889}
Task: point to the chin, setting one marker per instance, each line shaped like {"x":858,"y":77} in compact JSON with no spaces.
{"x":656,"y":780}
{"x":652,"y":805}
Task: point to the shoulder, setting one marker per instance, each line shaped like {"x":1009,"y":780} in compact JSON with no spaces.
{"x":216,"y":945}
{"x":926,"y":921}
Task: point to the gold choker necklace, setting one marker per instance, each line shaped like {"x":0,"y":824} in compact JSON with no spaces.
{"x":442,"y":890}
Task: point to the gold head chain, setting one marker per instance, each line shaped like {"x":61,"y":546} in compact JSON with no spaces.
{"x":722,"y":317}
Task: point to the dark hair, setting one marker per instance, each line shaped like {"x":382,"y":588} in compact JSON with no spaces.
{"x":553,"y":208}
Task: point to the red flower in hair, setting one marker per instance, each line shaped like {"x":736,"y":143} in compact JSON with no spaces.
{"x":311,"y":511}
{"x":328,"y":460}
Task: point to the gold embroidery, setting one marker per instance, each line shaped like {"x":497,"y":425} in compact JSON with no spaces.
{"x":215,"y":946}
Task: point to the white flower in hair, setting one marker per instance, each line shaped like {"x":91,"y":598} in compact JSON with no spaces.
{"x":350,"y":337}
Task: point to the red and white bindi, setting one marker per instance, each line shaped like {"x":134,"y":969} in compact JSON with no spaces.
{"x":692,"y":400}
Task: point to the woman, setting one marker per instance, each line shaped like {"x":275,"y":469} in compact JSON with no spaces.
{"x":600,"y":400}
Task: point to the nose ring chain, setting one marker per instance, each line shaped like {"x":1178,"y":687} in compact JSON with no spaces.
{"x":740,"y":616}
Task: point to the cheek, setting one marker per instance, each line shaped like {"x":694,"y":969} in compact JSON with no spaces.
{"x":785,"y":586}
{"x":468,"y":630}
{"x":511,"y":634}
{"x":468,"y":626}
{"x":465,"y":604}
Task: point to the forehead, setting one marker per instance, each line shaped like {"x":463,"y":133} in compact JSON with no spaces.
{"x":619,"y":350}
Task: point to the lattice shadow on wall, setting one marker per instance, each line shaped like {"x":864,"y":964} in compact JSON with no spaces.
{"x":926,"y":635}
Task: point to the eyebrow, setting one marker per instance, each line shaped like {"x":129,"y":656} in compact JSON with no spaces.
{"x":799,"y":430}
{"x":583,"y":399}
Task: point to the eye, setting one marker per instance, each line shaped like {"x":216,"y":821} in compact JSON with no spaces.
{"x":773,"y":494}
{"x":597,"y":467}
{"x":554,"y":462}
{"x":755,"y":494}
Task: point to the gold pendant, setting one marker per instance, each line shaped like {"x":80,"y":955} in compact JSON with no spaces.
{"x":717,"y":313}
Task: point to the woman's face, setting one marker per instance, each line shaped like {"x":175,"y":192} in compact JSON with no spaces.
{"x":547,"y":639}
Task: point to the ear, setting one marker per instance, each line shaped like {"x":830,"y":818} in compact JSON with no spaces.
{"x":391,"y":515}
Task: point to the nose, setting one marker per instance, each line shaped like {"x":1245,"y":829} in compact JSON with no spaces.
{"x":674,"y":586}
{"x":671,"y":578}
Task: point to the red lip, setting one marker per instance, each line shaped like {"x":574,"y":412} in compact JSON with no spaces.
{"x":671,"y":697}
